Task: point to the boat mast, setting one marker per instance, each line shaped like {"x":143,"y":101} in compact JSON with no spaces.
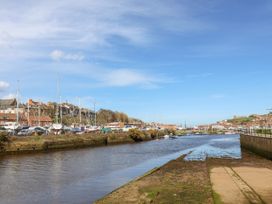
{"x":60,"y":110}
{"x":94,"y":112}
{"x":17,"y":104}
{"x":39,"y":113}
{"x":28,"y":122}
{"x":79,"y":107}
{"x":58,"y":104}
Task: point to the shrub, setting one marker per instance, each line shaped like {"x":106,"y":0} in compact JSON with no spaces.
{"x":153,"y":133}
{"x":136,"y":135}
{"x":169,"y":132}
{"x":3,"y":138}
{"x":264,"y":131}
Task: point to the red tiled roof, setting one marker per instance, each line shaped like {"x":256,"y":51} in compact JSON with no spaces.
{"x":11,"y":116}
{"x":41,"y":118}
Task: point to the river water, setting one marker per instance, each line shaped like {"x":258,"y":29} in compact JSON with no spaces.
{"x":85,"y":175}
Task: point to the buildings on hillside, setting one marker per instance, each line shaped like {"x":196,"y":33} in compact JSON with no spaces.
{"x":154,"y":125}
{"x":251,"y":122}
{"x":10,"y":106}
{"x":12,"y":118}
{"x":32,"y":114}
{"x":10,"y":113}
{"x":35,"y":113}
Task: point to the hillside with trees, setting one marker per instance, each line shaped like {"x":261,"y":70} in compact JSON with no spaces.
{"x":105,"y":116}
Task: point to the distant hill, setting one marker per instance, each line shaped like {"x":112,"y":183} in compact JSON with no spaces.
{"x":252,"y":120}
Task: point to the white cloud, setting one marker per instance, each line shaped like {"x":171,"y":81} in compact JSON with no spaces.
{"x":3,"y":85}
{"x":5,"y":40}
{"x":9,"y":96}
{"x":98,"y":76}
{"x":59,"y":55}
{"x":66,"y":30}
{"x":128,"y":77}
{"x":56,"y":54}
{"x":36,"y":26}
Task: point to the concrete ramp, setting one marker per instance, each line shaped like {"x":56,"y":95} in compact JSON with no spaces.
{"x":242,"y":184}
{"x":259,"y":179}
{"x":226,"y":188}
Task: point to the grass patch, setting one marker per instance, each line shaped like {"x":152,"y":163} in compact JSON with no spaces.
{"x":152,"y":193}
{"x":216,"y":198}
{"x":37,"y":138}
{"x":175,"y":194}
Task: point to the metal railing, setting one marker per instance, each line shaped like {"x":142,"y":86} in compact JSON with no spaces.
{"x":264,"y":132}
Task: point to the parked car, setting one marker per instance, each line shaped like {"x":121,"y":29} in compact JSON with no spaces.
{"x":32,"y":131}
{"x":66,"y":130}
{"x":76,"y":130}
{"x":128,"y":127}
{"x":24,"y":132}
{"x":105,"y":130}
{"x":92,"y":129}
{"x":25,"y":127}
{"x":38,"y":130}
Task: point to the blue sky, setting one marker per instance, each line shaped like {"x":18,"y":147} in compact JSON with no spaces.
{"x":166,"y":61}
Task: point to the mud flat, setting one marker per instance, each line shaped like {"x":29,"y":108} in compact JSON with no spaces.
{"x":247,"y":180}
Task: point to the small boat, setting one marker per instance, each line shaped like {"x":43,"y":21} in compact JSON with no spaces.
{"x":166,"y":136}
{"x":56,"y":128}
{"x":173,"y":137}
{"x":229,"y":133}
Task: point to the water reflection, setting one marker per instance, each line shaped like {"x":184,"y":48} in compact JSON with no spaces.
{"x":84,"y":175}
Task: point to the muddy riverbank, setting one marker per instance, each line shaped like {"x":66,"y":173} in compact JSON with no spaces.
{"x":29,"y":144}
{"x":182,"y":181}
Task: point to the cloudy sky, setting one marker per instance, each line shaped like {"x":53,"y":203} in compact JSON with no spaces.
{"x":157,"y":60}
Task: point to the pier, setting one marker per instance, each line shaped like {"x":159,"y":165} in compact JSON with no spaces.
{"x":259,"y":142}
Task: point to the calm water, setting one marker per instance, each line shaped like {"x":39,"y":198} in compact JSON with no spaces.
{"x":84,"y":175}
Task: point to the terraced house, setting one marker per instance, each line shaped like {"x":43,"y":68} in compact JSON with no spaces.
{"x":9,"y":106}
{"x":8,"y":111}
{"x":38,"y":113}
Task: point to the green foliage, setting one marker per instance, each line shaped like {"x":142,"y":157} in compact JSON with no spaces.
{"x":3,"y":137}
{"x":108,"y":116}
{"x":264,"y":131}
{"x":181,"y":132}
{"x":169,"y":132}
{"x":241,"y":120}
{"x":214,"y":132}
{"x":103,"y":117}
{"x":216,"y":198}
{"x":136,"y":135}
{"x":153,"y":133}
